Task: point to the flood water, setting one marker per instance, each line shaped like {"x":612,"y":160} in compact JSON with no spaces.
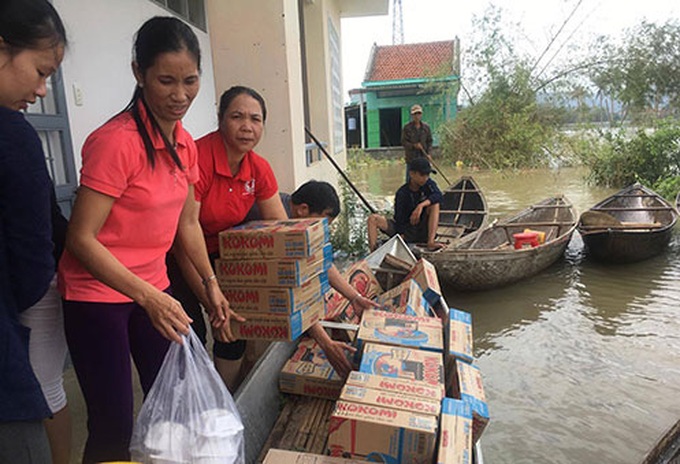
{"x":581,"y":363}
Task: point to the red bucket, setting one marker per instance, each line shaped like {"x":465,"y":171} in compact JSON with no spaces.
{"x":525,"y":238}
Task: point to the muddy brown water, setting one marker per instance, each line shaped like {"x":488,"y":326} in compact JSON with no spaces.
{"x":581,"y":363}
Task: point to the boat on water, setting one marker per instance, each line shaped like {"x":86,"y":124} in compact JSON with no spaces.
{"x":631,"y":225}
{"x":463,"y":210}
{"x":667,"y":449}
{"x":489,"y":258}
{"x":258,"y":399}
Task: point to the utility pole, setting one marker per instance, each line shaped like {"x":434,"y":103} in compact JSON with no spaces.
{"x":397,"y":23}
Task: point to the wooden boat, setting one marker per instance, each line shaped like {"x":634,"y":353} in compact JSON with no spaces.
{"x":488,"y":259}
{"x":667,"y":449}
{"x":258,"y":399}
{"x":632,"y":225}
{"x":463,"y":210}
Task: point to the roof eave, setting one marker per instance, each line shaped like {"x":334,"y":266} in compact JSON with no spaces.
{"x":402,"y":82}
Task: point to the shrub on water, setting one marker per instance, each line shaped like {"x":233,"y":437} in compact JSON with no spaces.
{"x":649,"y":156}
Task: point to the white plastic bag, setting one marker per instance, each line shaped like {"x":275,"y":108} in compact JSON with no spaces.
{"x":188,"y":415}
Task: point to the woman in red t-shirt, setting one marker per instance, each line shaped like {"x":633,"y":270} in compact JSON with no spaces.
{"x":232,"y":179}
{"x":136,"y":195}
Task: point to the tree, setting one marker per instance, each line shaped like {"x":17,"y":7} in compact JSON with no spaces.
{"x":642,"y":73}
{"x":503,"y":125}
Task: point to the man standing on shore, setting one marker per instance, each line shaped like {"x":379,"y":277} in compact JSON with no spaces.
{"x":416,"y":137}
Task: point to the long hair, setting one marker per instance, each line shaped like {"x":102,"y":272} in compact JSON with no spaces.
{"x":156,"y":36}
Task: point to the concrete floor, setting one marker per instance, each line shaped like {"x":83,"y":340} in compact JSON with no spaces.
{"x":78,"y":411}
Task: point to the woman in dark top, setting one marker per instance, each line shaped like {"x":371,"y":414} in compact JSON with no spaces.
{"x":32,"y":41}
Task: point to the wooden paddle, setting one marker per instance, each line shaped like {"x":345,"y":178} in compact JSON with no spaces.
{"x":592,"y":219}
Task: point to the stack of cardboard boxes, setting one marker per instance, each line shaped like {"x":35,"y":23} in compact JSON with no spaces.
{"x":274,"y":274}
{"x":464,"y":379}
{"x":389,"y":410}
{"x":416,"y":396}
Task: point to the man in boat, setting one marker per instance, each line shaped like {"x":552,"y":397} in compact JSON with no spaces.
{"x":318,"y":199}
{"x":416,"y":136}
{"x":416,"y":209}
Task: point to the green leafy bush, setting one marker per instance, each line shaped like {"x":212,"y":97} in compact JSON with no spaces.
{"x":649,"y":156}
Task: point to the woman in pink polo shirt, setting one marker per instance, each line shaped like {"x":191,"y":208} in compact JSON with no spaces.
{"x":136,"y":193}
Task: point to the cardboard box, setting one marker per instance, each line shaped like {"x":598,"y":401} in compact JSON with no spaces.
{"x":424,"y":333}
{"x":459,"y":338}
{"x":264,"y":326}
{"x":276,"y":456}
{"x":293,"y":238}
{"x":309,"y":373}
{"x":405,"y":298}
{"x":471,"y":390}
{"x":360,"y":276}
{"x":384,"y":434}
{"x":413,"y":388}
{"x":278,"y":300}
{"x":425,"y":274}
{"x":455,"y":435}
{"x":390,"y":400}
{"x":273,"y":272}
{"x":404,"y":363}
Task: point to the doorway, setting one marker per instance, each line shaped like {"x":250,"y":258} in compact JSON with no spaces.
{"x":390,"y":127}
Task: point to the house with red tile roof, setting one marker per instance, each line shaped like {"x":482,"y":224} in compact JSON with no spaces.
{"x":397,"y":77}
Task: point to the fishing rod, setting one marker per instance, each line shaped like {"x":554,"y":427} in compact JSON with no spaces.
{"x":439,"y":171}
{"x":339,"y":169}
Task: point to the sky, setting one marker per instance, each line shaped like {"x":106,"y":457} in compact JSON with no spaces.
{"x":433,"y":20}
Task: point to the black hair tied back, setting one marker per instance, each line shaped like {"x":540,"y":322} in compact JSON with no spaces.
{"x":159,"y":35}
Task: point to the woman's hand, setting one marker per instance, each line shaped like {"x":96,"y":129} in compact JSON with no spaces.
{"x":360,"y":303}
{"x":167,"y":315}
{"x":220,"y":314}
{"x":336,"y":353}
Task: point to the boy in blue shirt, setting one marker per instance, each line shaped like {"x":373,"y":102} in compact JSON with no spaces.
{"x":416,"y":209}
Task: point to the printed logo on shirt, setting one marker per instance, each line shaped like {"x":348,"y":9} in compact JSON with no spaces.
{"x":249,"y":187}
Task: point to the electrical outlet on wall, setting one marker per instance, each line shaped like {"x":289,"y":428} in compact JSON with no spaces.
{"x":77,"y":94}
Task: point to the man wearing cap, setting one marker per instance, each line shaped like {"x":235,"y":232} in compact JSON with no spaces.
{"x":416,"y":136}
{"x":416,"y":209}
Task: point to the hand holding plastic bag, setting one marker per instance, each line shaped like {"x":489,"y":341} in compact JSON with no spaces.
{"x":188,"y":415}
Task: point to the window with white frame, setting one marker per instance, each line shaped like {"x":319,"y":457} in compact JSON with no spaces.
{"x":336,"y":87}
{"x":49,"y":118}
{"x":192,"y":11}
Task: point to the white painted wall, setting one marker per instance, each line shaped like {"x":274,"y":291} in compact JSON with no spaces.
{"x":317,"y":15}
{"x":256,"y":43}
{"x":100,"y":34}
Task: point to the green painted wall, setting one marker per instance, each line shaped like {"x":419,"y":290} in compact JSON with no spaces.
{"x":435,"y":111}
{"x":372,"y":127}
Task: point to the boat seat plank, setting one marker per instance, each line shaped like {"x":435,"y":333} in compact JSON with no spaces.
{"x":635,"y":195}
{"x":461,"y":211}
{"x":535,"y":224}
{"x":624,"y":226}
{"x":551,"y":206}
{"x":641,"y":208}
{"x":302,"y":426}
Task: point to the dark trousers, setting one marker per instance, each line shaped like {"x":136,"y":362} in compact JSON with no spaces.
{"x":101,"y":337}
